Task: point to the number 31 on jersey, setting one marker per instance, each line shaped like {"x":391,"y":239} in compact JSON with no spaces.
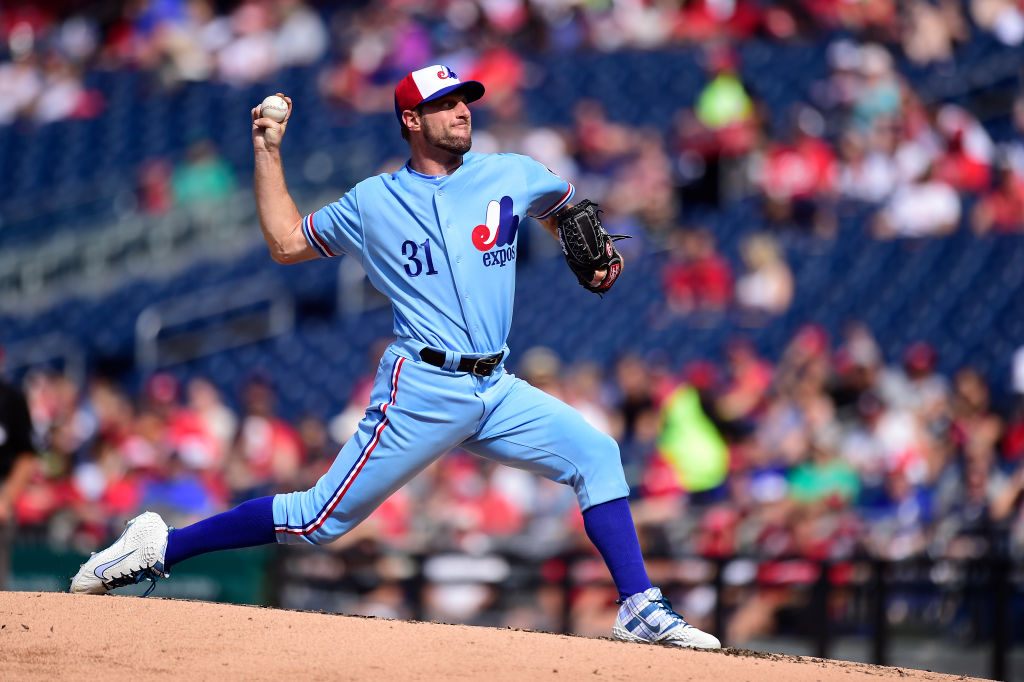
{"x":414,"y":267}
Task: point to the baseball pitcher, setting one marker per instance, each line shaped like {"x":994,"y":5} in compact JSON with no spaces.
{"x":438,"y":237}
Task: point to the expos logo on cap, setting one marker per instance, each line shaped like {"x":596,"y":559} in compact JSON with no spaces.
{"x":430,"y":83}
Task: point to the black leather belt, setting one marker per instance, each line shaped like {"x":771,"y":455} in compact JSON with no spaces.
{"x":480,"y":366}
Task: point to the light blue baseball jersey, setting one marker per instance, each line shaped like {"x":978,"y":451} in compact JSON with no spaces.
{"x":443,"y":248}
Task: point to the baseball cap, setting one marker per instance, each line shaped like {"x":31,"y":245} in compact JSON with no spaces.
{"x":430,"y":83}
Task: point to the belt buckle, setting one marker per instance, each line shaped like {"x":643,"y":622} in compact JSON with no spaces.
{"x":489,"y":364}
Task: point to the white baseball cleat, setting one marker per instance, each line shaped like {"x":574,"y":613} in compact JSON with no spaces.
{"x":648,"y":617}
{"x":135,"y":556}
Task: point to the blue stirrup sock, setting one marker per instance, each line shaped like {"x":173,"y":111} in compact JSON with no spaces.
{"x":609,"y":526}
{"x":247,"y":525}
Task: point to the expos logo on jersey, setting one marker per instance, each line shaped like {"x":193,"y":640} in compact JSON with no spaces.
{"x":497,"y":236}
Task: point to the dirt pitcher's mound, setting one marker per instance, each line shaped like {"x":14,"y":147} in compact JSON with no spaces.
{"x":46,"y":636}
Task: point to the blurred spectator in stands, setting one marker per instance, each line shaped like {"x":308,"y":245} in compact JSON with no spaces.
{"x":320,"y":450}
{"x":766,"y":285}
{"x":219,"y":420}
{"x":689,"y":439}
{"x":634,"y":392}
{"x":974,"y":426}
{"x":748,"y":379}
{"x":873,"y":19}
{"x":898,"y":520}
{"x":380,"y":41}
{"x":798,"y":177}
{"x":301,"y":34}
{"x":1013,"y":440}
{"x":204,"y":178}
{"x":711,"y":140}
{"x":600,"y":145}
{"x":882,"y":442}
{"x":723,"y":105}
{"x":835,"y":95}
{"x":643,"y":186}
{"x":983,"y":497}
{"x":59,"y":417}
{"x":201,"y":432}
{"x":928,"y":208}
{"x":1007,"y":509}
{"x":154,"y":189}
{"x":1002,"y":18}
{"x":799,"y":405}
{"x":506,"y":128}
{"x":63,"y":94}
{"x":1001,"y":211}
{"x":583,"y":388}
{"x":806,"y":354}
{"x":268,"y":452}
{"x":25,"y":22}
{"x":968,"y":150}
{"x":865,"y":173}
{"x":470,"y":510}
{"x":21,"y":83}
{"x":249,"y":56}
{"x":696,"y":278}
{"x":857,"y":363}
{"x":704,"y":21}
{"x":18,"y":463}
{"x":181,"y":41}
{"x":542,"y":367}
{"x":917,"y":385}
{"x":179,"y":493}
{"x":638,"y":451}
{"x":1012,"y":151}
{"x":930,"y":30}
{"x":824,"y":478}
{"x":499,"y":65}
{"x":879,"y":93}
{"x":509,"y":131}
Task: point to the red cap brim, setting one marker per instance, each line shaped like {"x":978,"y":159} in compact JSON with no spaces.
{"x":474,"y":91}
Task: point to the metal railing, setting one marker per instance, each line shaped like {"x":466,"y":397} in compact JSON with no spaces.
{"x":985,"y":589}
{"x":211,"y":320}
{"x":95,"y":260}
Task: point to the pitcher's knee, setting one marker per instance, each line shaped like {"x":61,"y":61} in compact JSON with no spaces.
{"x":308,"y":516}
{"x":609,"y":447}
{"x":601,"y":475}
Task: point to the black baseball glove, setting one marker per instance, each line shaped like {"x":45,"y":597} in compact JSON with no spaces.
{"x":588,"y":247}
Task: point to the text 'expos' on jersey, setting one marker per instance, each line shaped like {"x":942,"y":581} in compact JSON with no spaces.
{"x":499,"y":230}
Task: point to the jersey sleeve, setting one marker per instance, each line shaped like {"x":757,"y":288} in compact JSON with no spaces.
{"x":548,"y":193}
{"x":336,"y":228}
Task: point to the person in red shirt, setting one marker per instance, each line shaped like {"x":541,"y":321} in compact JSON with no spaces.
{"x":798,"y":178}
{"x":696,"y":277}
{"x":1002,"y":210}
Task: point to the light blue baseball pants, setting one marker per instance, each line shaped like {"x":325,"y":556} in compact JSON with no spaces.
{"x":417,"y":413}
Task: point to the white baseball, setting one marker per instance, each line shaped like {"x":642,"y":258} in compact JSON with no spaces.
{"x":274,"y":107}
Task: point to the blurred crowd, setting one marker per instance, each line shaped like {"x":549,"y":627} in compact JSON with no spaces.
{"x":828,"y":452}
{"x":862,"y":134}
{"x":367,"y":44}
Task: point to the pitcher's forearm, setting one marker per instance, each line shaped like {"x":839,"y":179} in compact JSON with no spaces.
{"x":279,"y":218}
